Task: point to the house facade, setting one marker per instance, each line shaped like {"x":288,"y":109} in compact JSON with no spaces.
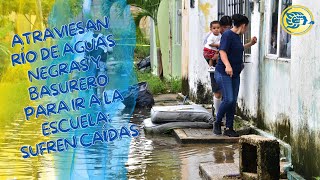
{"x":280,"y":84}
{"x":170,"y":36}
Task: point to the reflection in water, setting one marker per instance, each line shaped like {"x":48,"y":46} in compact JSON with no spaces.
{"x":161,"y":157}
{"x":150,"y":156}
{"x":225,"y":154}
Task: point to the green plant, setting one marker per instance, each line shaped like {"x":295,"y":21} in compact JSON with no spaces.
{"x":175,"y":85}
{"x":142,"y":52}
{"x":158,"y":86}
{"x":155,"y":84}
{"x":142,"y":49}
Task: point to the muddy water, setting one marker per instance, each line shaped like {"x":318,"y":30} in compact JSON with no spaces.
{"x":150,"y":156}
{"x":161,"y":157}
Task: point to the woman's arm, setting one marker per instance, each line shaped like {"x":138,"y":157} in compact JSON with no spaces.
{"x":248,"y":45}
{"x":225,"y":60}
{"x":251,"y":43}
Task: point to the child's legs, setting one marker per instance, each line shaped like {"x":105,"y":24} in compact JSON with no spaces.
{"x":216,"y":93}
{"x":210,"y":62}
{"x":215,"y":87}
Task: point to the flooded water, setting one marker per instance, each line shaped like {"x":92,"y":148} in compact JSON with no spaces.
{"x":161,"y":157}
{"x":150,"y":156}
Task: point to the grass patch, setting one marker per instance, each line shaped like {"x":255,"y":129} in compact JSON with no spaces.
{"x":141,"y":51}
{"x":174,"y":85}
{"x":158,"y":86}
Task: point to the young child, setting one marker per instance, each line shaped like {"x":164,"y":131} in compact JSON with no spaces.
{"x":212,"y":44}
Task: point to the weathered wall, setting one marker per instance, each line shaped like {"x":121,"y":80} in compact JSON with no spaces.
{"x":153,"y":49}
{"x":176,"y":46}
{"x":199,"y":18}
{"x":249,"y":78}
{"x":170,"y":49}
{"x":164,"y":35}
{"x":185,"y":47}
{"x":288,"y":103}
{"x":305,"y":96}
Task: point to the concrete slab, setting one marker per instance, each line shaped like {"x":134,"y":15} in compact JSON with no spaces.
{"x":190,"y":136}
{"x":167,"y":100}
{"x":213,"y":171}
{"x":249,"y":176}
{"x":166,"y":97}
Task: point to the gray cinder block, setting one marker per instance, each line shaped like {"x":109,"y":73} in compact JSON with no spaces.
{"x":259,"y":158}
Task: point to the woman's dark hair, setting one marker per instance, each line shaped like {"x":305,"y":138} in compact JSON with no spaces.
{"x":226,"y":21}
{"x":239,"y":19}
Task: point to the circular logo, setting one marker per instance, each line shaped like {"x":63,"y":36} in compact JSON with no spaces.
{"x":297,"y":20}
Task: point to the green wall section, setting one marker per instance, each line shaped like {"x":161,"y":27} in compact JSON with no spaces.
{"x":164,"y":31}
{"x":176,"y":47}
{"x":171,"y":51}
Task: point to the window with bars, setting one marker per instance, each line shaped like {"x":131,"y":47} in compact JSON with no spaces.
{"x":230,"y":7}
{"x":279,"y":40}
{"x":247,"y":35}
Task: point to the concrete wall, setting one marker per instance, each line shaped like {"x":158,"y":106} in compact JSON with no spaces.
{"x":153,"y":49}
{"x":199,"y":19}
{"x":288,"y":91}
{"x":249,"y":78}
{"x":164,"y":35}
{"x":185,"y":47}
{"x":176,"y":46}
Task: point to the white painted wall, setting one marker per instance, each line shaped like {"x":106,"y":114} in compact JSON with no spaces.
{"x":305,"y":74}
{"x":153,"y":49}
{"x":200,"y":17}
{"x":249,"y":78}
{"x":287,"y":90}
{"x":185,"y":41}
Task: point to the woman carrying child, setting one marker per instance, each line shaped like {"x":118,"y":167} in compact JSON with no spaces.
{"x":227,"y":72}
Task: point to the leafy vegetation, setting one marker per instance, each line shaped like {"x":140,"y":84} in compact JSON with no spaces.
{"x":142,"y":49}
{"x":41,"y":8}
{"x":10,"y":10}
{"x":158,"y":86}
